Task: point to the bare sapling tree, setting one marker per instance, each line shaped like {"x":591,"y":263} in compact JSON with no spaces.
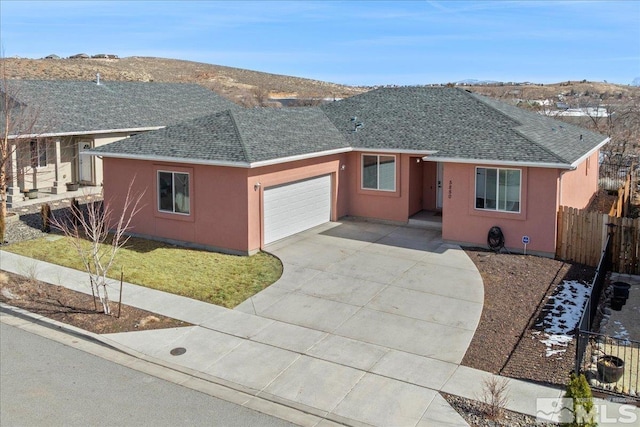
{"x":97,"y":233}
{"x":495,"y":395}
{"x":18,"y":127}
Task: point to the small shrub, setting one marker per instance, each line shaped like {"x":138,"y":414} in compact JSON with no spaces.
{"x":583,"y":410}
{"x":495,"y":396}
{"x":29,"y":270}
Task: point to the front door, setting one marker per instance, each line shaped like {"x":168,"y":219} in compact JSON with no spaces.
{"x":439,"y":187}
{"x":85,"y":166}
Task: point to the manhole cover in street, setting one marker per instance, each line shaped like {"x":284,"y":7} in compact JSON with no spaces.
{"x":178,"y":351}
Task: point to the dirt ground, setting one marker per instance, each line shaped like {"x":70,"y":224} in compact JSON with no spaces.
{"x":77,"y":309}
{"x":516,"y":288}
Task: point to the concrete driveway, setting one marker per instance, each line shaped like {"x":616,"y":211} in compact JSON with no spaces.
{"x":367,"y":323}
{"x":375,"y":284}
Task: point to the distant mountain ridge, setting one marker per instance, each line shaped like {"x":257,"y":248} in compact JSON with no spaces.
{"x":474,"y":82}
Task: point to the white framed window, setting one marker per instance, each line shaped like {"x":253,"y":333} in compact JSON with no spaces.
{"x":498,"y":189}
{"x":38,"y":153}
{"x":379,"y":172}
{"x":173,"y":192}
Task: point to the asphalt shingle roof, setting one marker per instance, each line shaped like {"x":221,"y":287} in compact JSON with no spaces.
{"x":458,"y":125}
{"x":567,"y":141}
{"x":68,"y":106}
{"x":238,"y":136}
{"x":202,"y":126}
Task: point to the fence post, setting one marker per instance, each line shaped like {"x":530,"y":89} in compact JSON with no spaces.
{"x":579,"y":354}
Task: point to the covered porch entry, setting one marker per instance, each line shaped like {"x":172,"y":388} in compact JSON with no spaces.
{"x":426,"y":189}
{"x":47,"y":166}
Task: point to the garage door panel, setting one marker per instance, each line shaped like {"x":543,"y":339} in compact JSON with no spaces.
{"x":295,"y":207}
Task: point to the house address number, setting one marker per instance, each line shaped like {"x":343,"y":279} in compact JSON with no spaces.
{"x":450,"y":188}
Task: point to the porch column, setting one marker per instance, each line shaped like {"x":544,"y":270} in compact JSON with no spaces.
{"x":13,"y":189}
{"x":58,"y":185}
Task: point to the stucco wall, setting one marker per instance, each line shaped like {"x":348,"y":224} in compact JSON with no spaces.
{"x":386,"y":205}
{"x":226,"y":202}
{"x":577,"y":187}
{"x":462,"y":222}
{"x":218,"y":214}
{"x":99,"y":140}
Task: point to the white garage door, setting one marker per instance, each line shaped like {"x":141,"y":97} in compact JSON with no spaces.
{"x":295,"y":207}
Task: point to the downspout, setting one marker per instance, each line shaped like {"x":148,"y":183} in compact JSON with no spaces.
{"x":562,"y":172}
{"x":560,"y":188}
{"x":558,"y":210}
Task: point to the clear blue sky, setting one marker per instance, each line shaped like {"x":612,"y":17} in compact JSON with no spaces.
{"x":349,"y":42}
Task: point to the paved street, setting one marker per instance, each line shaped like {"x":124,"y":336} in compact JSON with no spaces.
{"x":44,"y":382}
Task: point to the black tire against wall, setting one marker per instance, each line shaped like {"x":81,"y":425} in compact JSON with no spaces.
{"x":495,"y":239}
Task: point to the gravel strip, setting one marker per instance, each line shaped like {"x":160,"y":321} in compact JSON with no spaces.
{"x":29,"y":223}
{"x":475,"y":414}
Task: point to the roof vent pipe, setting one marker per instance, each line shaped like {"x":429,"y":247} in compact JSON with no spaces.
{"x":98,"y":79}
{"x":356,"y":124}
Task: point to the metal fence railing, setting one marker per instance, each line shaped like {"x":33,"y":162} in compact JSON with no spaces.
{"x":613,"y":170}
{"x":611,"y":364}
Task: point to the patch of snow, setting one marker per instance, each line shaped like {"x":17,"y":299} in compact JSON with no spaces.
{"x":620,"y":332}
{"x":562,"y":314}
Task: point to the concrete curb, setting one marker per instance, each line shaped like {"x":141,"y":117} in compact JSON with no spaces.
{"x":190,"y":378}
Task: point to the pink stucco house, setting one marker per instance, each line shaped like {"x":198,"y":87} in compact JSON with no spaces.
{"x":238,"y":180}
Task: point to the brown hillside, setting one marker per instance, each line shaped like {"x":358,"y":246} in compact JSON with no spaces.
{"x":571,"y":89}
{"x":242,"y":86}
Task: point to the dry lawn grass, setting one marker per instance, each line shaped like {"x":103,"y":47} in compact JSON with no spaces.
{"x":220,"y":279}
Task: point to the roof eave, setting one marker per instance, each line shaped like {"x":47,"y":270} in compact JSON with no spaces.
{"x":395,"y":151}
{"x":81,"y":133}
{"x":500,"y":163}
{"x":300,"y":157}
{"x":167,"y":159}
{"x":280,"y":160}
{"x":590,"y":152}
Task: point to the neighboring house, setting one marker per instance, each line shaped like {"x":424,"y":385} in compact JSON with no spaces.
{"x":238,"y":180}
{"x":64,"y":118}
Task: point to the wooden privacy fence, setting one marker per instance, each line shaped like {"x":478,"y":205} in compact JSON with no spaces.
{"x":622,"y":205}
{"x":582,"y":236}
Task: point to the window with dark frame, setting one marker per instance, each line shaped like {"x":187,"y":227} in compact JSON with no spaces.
{"x":173,"y":192}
